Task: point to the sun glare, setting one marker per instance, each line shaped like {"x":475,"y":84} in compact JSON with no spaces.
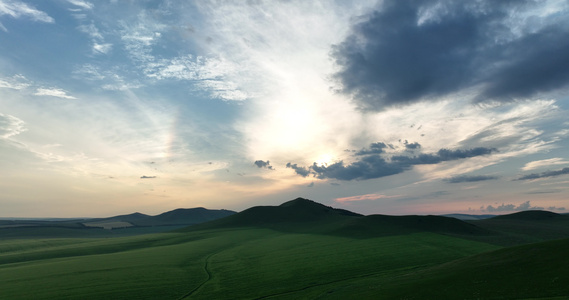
{"x":324,"y":159}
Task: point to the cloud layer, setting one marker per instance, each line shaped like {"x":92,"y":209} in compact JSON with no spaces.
{"x":545,"y":174}
{"x":408,"y":51}
{"x":372,"y":165}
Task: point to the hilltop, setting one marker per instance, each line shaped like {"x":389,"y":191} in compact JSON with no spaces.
{"x":307,"y":216}
{"x":526,"y":227}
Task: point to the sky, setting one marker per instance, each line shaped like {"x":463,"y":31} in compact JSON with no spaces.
{"x":379,"y":107}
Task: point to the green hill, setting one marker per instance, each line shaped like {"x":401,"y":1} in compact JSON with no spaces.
{"x":122,"y":225}
{"x":532,"y":215}
{"x":306,"y":216}
{"x":183,"y":216}
{"x":297,"y":250}
{"x":530,"y":271}
{"x":526,"y":227}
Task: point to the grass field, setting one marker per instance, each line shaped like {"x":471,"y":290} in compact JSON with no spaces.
{"x":222,"y":264}
{"x":300,"y":250}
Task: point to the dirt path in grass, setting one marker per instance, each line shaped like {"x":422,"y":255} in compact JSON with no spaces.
{"x":208,"y":273}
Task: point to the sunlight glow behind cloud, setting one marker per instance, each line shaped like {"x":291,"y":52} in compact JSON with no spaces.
{"x":228,"y":105}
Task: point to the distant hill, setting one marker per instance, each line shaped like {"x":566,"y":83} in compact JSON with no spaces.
{"x":306,"y":216}
{"x":180,"y":216}
{"x":184,"y":216}
{"x":532,"y":215}
{"x":130,"y":224}
{"x":526,"y":227}
{"x":467,"y":217}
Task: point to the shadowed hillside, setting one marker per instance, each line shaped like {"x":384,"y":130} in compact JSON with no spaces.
{"x":122,"y":225}
{"x":532,"y":215}
{"x":184,"y":216}
{"x":521,"y":272}
{"x":306,"y":216}
{"x":526,"y":227}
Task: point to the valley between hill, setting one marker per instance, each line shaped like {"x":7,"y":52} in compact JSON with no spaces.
{"x":301,"y":250}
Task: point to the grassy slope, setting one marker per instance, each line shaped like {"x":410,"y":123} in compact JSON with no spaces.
{"x":306,"y":216}
{"x":222,"y":264}
{"x":536,"y":271}
{"x":300,"y":249}
{"x":525,"y":227}
{"x":47,"y":231}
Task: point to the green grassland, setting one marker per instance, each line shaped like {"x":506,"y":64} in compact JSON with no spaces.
{"x":299,"y":250}
{"x":222,"y":264}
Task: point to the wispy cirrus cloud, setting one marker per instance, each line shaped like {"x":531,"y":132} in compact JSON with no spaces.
{"x":17,"y":9}
{"x":544,"y":163}
{"x":82,"y":4}
{"x":366,"y":197}
{"x":16,"y":82}
{"x":209,"y":73}
{"x":53,"y":92}
{"x":10,"y":126}
{"x":98,"y":41}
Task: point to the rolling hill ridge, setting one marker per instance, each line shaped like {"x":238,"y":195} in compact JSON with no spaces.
{"x":306,"y":216}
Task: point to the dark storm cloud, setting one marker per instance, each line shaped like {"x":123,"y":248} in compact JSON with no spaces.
{"x":442,"y":155}
{"x":367,"y":168}
{"x":410,"y":50}
{"x":375,"y":166}
{"x":299,"y":170}
{"x":263,"y":164}
{"x":466,"y":178}
{"x":563,"y":171}
{"x":412,"y":146}
{"x":374,"y":148}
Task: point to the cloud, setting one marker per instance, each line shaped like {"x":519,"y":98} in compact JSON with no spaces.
{"x":16,"y":82}
{"x":545,"y":174}
{"x":511,"y":207}
{"x":53,"y":92}
{"x":97,"y":39}
{"x":366,"y":197}
{"x":375,"y":166}
{"x":368,"y":167}
{"x":263,"y":164}
{"x":102,"y":48}
{"x":299,"y":170}
{"x":82,"y":4}
{"x":374,"y":148}
{"x":18,"y":9}
{"x":466,"y":178}
{"x":412,"y":146}
{"x":543,"y":163}
{"x":556,"y":208}
{"x":408,"y":51}
{"x":147,"y":177}
{"x":210,"y":73}
{"x":10,"y":126}
{"x":443,"y":155}
{"x":554,"y":191}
